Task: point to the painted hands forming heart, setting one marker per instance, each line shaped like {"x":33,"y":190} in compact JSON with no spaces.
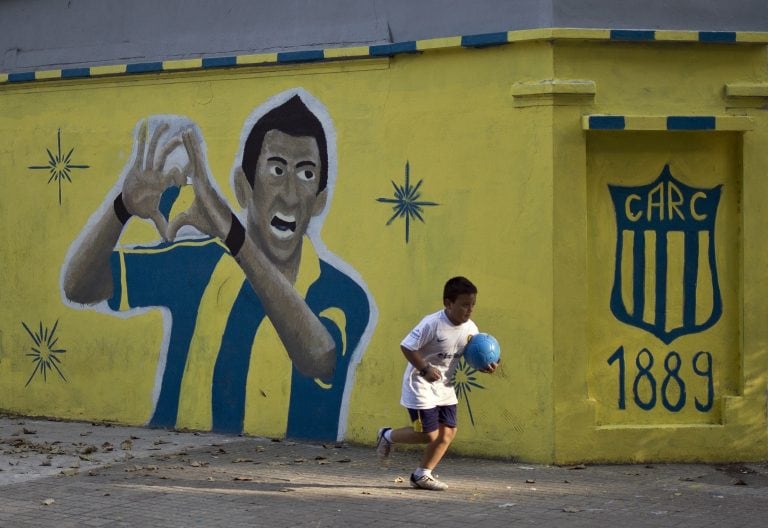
{"x":148,"y":178}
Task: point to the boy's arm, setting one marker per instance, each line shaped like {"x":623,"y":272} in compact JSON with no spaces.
{"x":427,"y":371}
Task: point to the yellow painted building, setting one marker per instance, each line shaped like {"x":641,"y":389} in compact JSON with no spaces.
{"x":603,"y":189}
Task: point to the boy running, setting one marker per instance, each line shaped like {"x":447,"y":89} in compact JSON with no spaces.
{"x":433,"y":350}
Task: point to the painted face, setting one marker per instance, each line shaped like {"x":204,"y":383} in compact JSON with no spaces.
{"x":284,"y":197}
{"x":460,"y":310}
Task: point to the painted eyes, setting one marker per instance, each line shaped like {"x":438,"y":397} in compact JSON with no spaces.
{"x":306,"y":175}
{"x":302,"y":174}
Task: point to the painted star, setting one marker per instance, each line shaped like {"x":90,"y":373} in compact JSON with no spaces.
{"x":406,"y":202}
{"x":44,"y":354}
{"x":463,"y":380}
{"x":60,"y":166}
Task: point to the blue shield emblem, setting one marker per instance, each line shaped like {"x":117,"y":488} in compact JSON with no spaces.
{"x":665,"y":275}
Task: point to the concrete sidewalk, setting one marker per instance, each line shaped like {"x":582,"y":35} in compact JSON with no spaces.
{"x":73,"y":474}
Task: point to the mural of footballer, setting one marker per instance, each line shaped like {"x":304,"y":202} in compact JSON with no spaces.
{"x":283,"y":178}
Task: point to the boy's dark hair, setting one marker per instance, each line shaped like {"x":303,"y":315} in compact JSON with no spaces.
{"x":292,"y":118}
{"x":457,"y":286}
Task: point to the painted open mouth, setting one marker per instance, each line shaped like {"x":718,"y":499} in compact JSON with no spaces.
{"x":283,"y":226}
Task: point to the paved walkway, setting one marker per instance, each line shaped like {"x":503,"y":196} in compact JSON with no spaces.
{"x":72,"y":474}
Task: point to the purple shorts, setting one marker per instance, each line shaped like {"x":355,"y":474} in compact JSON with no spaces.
{"x":428,"y":420}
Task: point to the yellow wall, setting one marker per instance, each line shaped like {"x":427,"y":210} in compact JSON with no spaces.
{"x":647,"y":84}
{"x":498,"y":138}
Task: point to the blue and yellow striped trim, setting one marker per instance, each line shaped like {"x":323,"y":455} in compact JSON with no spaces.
{"x":671,"y":123}
{"x":391,"y":50}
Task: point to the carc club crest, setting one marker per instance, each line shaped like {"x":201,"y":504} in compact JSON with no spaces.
{"x":665,"y":276}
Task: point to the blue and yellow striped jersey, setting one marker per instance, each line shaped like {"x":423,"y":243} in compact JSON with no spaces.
{"x":225,"y":369}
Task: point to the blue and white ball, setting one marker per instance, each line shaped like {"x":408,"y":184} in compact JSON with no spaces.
{"x":482,"y":350}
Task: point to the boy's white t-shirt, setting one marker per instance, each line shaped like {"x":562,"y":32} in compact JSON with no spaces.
{"x":441,"y":343}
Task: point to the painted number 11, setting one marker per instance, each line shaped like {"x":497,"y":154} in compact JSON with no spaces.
{"x":672,"y":400}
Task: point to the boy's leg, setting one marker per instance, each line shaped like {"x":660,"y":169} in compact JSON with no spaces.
{"x":387,"y":436}
{"x":413,"y":434}
{"x":438,"y":446}
{"x":436,"y":427}
{"x":384,"y":442}
{"x":424,"y":424}
{"x":443,"y":436}
{"x":407,"y":435}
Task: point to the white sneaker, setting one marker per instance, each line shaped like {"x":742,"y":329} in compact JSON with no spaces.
{"x":428,"y":482}
{"x":383,"y":446}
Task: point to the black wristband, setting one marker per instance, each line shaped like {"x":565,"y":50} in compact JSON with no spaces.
{"x":121,"y":212}
{"x":235,"y":237}
{"x":423,"y":372}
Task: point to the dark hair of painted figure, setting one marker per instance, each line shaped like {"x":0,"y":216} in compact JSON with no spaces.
{"x":292,"y":118}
